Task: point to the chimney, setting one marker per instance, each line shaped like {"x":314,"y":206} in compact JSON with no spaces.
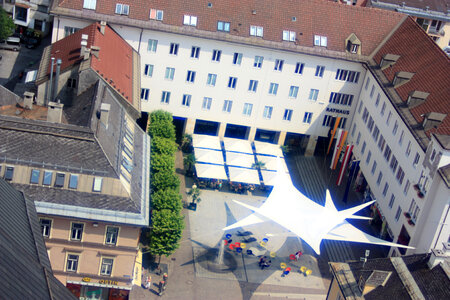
{"x":401,"y":78}
{"x":388,"y":61}
{"x":58,"y":70}
{"x":436,"y":257}
{"x":416,"y":98}
{"x":104,"y":113}
{"x":102,"y":27}
{"x":28,"y":100}
{"x":84,"y":38}
{"x":54,"y":113}
{"x":432,"y":119}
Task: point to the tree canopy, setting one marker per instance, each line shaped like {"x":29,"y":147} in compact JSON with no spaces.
{"x":166,"y":233}
{"x":7,"y":25}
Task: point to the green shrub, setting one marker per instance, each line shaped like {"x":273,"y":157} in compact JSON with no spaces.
{"x":162,"y":162}
{"x":166,"y":199}
{"x":166,"y":232}
{"x":162,"y":145}
{"x":164,"y":180}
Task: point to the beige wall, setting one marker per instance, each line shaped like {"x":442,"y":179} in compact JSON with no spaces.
{"x":91,"y":250}
{"x":334,"y":292}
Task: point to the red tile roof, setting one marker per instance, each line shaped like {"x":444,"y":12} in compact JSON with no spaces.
{"x":420,"y":55}
{"x":114,"y":61}
{"x":313,"y":17}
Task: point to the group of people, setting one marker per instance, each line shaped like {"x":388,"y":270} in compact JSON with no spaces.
{"x":161,"y":285}
{"x":210,"y":183}
{"x":264,"y":262}
{"x":241,"y":188}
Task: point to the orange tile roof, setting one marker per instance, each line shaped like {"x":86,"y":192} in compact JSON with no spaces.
{"x":114,"y":61}
{"x":313,"y":17}
{"x":420,"y":55}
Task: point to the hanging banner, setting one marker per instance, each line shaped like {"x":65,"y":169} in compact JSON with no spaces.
{"x":336,"y":147}
{"x":341,"y":145}
{"x":333,"y":132}
{"x":347,"y":155}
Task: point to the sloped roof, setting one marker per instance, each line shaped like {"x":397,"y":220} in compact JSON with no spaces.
{"x":114,"y":61}
{"x":24,"y":265}
{"x":313,"y":17}
{"x":431,"y":68}
{"x":433,"y":5}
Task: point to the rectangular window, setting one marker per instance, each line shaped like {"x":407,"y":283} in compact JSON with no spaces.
{"x":278,"y":65}
{"x":387,"y":153}
{"x":70,"y":30}
{"x":380,"y":177}
{"x":9,"y":173}
{"x":122,"y":9}
{"x":273,"y":88}
{"x":46,"y":225}
{"x":398,"y":213}
{"x":76,"y":232}
{"x":293,"y":91}
{"x":165,"y":97}
{"x":89,"y":4}
{"x":47,"y":180}
{"x":360,"y":107}
{"x":363,"y":148}
{"x":328,"y":121}
{"x":319,"y":71}
{"x":111,"y":235}
{"x":416,"y":160}
{"x":170,"y":72}
{"x":148,"y":70}
{"x":186,"y":100}
{"x":206,"y":105}
{"x":35,"y":176}
{"x":367,"y":83}
{"x":369,"y":155}
{"x":232,"y":82}
{"x":374,"y":167}
{"x":156,"y":14}
{"x":190,"y":77}
{"x":227,"y":104}
{"x":256,"y":31}
{"x":358,"y":139}
{"x":289,"y":36}
{"x":195,"y":52}
{"x":237,"y":58}
{"x":248,"y":107}
{"x":223,"y":26}
{"x":267,"y":114}
{"x":400,"y":139}
{"x":107,"y":265}
{"x":391,"y":201}
{"x":173,"y":49}
{"x":287,"y":114}
{"x":211,"y":80}
{"x":372,"y":91}
{"x":258,"y":62}
{"x":71,"y":83}
{"x":72,"y":262}
{"x":253,"y":85}
{"x":320,"y":40}
{"x":144,"y":94}
{"x":97,"y":184}
{"x":381,"y":143}
{"x":347,"y":75}
{"x":365,"y":115}
{"x":383,"y":108}
{"x":416,"y":213}
{"x":406,"y":188}
{"x":400,"y":175}
{"x":342,"y":123}
{"x":377,"y":102}
{"x":190,"y":20}
{"x":216,"y":55}
{"x":59,"y":181}
{"x":394,"y":163}
{"x":370,"y":124}
{"x":152,"y":45}
{"x":385,"y":189}
{"x":340,"y":98}
{"x":313,"y":93}
{"x":299,"y":68}
{"x":388,"y":120}
{"x":375,"y":133}
{"x":73,"y":181}
{"x":394,"y":130}
{"x":408,"y":149}
{"x":353,"y":129}
{"x":307,"y":117}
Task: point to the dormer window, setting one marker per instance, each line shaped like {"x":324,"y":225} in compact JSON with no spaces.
{"x":289,"y":36}
{"x":122,"y":9}
{"x":256,"y":31}
{"x":352,"y":48}
{"x":320,"y":40}
{"x":190,"y":20}
{"x":156,"y":14}
{"x":353,"y":44}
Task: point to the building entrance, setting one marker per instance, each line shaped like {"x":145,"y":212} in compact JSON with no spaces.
{"x":236,"y":131}
{"x":206,"y":127}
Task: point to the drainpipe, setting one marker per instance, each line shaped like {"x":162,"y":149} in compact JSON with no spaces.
{"x":58,"y":69}
{"x":49,"y":86}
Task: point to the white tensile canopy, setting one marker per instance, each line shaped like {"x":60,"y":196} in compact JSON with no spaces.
{"x":239,"y":159}
{"x":206,"y":141}
{"x":208,"y":156}
{"x":269,"y":177}
{"x":268,"y":149}
{"x":210,"y":171}
{"x":310,"y":221}
{"x":244,"y":175}
{"x":237,"y":145}
{"x":270,"y":162}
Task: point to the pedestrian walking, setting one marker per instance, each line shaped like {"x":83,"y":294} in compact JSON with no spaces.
{"x":148,"y":282}
{"x":161,"y":287}
{"x":262,"y":260}
{"x":165,"y":277}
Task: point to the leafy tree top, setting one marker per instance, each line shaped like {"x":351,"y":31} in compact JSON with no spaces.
{"x":162,"y":145}
{"x":7,"y":25}
{"x":166,"y":199}
{"x":166,"y":233}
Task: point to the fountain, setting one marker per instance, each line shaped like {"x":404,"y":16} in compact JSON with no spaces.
{"x":217,"y":260}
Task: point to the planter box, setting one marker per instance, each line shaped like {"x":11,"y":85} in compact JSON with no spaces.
{"x":192,"y":206}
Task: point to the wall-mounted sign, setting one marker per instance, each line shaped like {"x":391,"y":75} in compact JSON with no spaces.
{"x":107,"y":281}
{"x":86,"y":279}
{"x":339,"y":111}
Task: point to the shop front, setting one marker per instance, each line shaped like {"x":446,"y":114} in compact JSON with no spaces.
{"x":103,"y":289}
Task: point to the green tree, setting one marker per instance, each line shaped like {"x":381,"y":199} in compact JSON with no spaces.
{"x":160,"y":116}
{"x":6,"y":24}
{"x":259,"y":165}
{"x":186,"y":143}
{"x":162,"y":162}
{"x":163,"y":146}
{"x":167,"y":199}
{"x":164,"y":180}
{"x":194,"y":193}
{"x":164,"y":129}
{"x":189,"y":161}
{"x":166,"y":233}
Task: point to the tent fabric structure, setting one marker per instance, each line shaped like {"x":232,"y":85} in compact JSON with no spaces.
{"x":270,"y":162}
{"x":208,"y":156}
{"x":206,"y":141}
{"x":268,"y":177}
{"x":237,"y":145}
{"x":210,"y":171}
{"x":307,"y":219}
{"x":239,"y":159}
{"x":268,"y":149}
{"x":243,"y":175}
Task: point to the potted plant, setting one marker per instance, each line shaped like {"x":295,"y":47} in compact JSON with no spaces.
{"x":194,"y":193}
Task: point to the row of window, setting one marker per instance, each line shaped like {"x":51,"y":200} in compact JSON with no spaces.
{"x":73,"y":261}
{"x":47,"y":179}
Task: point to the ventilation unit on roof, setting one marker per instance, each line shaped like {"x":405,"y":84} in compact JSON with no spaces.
{"x":401,"y":78}
{"x":28,"y":98}
{"x":102,"y":27}
{"x":432,"y":120}
{"x":54,"y":112}
{"x":436,"y":257}
{"x":416,"y":98}
{"x":388,"y":61}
